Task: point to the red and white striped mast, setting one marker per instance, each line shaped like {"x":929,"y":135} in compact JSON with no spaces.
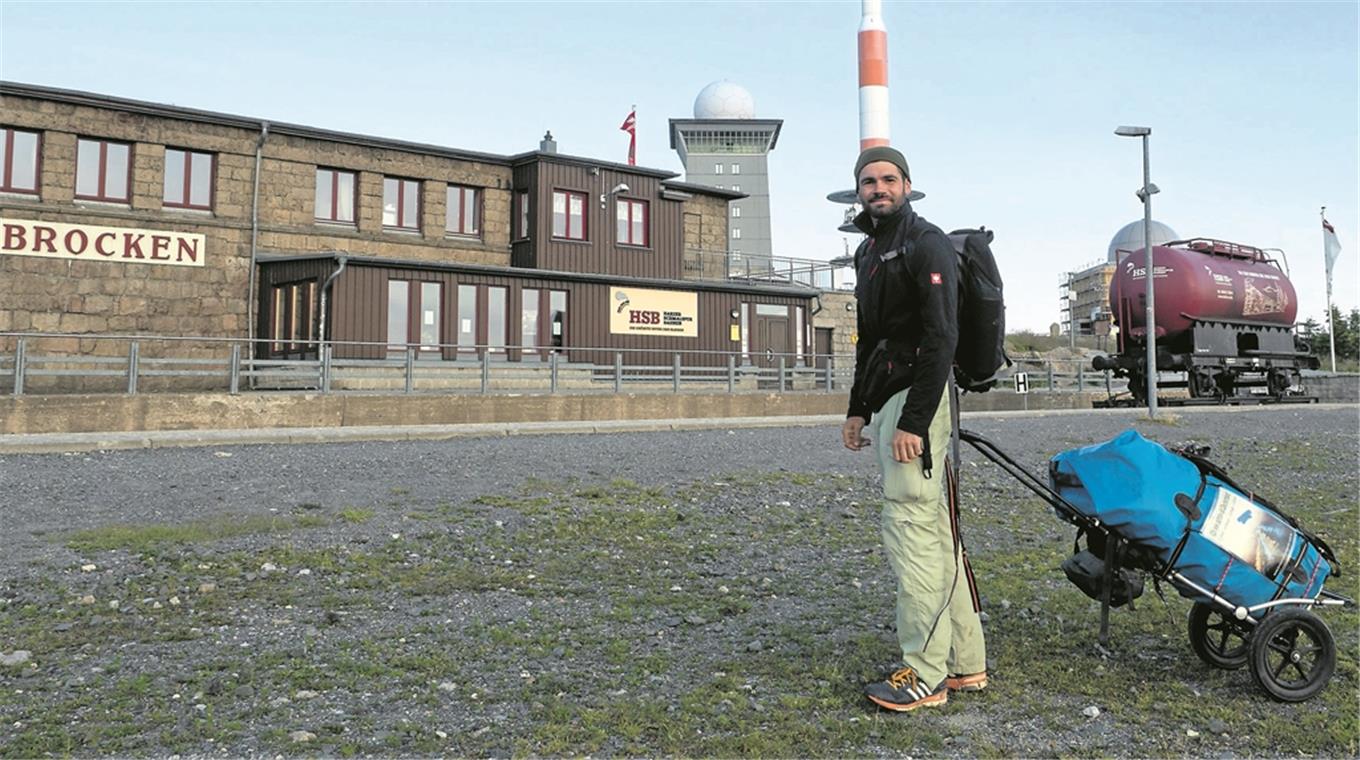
{"x":873,"y":75}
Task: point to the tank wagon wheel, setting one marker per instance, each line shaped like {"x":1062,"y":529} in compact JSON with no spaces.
{"x":1218,"y":639}
{"x":1292,"y":655}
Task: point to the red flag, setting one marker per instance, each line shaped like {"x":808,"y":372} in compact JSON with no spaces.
{"x":629,"y":125}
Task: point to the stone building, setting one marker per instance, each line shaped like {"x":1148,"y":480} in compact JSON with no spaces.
{"x":123,"y":217}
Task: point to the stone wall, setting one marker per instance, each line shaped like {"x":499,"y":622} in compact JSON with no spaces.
{"x":838,"y":313}
{"x":116,"y":296}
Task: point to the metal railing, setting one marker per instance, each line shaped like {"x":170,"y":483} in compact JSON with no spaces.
{"x":738,"y":266}
{"x":66,"y":363}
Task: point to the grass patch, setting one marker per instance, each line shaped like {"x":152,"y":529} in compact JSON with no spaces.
{"x":140,"y":538}
{"x":356,"y":515}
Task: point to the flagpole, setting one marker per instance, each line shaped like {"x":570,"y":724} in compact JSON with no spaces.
{"x":1331,"y":328}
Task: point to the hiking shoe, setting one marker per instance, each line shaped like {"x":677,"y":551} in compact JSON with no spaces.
{"x":969,"y":682}
{"x":902,"y":691}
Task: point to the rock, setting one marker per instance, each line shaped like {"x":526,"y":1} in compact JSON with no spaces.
{"x":306,"y":694}
{"x":982,"y":615}
{"x":113,"y":603}
{"x":305,"y":571}
{"x":673,"y":621}
{"x":755,"y":646}
{"x":62,"y":627}
{"x":1091,"y":712}
{"x":1190,"y":732}
{"x":302,"y":737}
{"x":87,"y":599}
{"x":174,"y":600}
{"x":1006,"y":603}
{"x":268,"y":567}
{"x":247,"y":692}
{"x":1216,"y":726}
{"x":695,"y":619}
{"x":208,"y":588}
{"x":15,"y":658}
{"x":88,"y":568}
{"x":450,"y":685}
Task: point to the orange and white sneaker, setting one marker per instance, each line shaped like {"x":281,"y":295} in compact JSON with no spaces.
{"x":903,"y":691}
{"x":968,"y":682}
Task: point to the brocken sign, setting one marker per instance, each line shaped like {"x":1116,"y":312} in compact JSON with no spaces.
{"x":23,"y":237}
{"x":653,"y":312}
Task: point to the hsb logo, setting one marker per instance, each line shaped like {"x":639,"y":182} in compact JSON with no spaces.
{"x":644,"y":317}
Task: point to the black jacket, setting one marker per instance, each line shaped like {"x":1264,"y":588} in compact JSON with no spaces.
{"x":908,"y":291}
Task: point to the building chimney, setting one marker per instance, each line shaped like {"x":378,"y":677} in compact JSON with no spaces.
{"x":548,"y":144}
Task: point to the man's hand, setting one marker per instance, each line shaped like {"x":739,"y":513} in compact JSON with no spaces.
{"x":850,"y":433}
{"x":906,"y":446}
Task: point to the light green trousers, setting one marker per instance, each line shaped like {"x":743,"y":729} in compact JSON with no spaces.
{"x":937,"y":626}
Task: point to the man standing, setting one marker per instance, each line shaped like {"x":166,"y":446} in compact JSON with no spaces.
{"x":907,"y":275}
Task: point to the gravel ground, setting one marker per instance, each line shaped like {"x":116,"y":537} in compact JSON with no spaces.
{"x":692,"y":593}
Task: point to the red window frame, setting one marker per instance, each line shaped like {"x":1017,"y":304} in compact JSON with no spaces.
{"x":7,"y":171}
{"x":188,"y":179}
{"x":334,"y":218}
{"x":568,"y":195}
{"x":410,"y":225}
{"x":461,"y":227}
{"x":102,"y":194}
{"x":633,"y":204}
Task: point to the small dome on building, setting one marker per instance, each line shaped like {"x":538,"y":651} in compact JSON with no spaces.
{"x":1130,"y":238}
{"x":724,"y":100}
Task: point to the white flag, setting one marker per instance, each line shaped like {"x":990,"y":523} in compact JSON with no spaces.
{"x":1331,"y":247}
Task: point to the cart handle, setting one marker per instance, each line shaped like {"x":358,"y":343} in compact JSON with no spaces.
{"x":1028,"y":479}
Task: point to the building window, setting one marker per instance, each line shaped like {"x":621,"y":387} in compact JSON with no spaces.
{"x":401,"y":204}
{"x":415,"y":315}
{"x":497,"y":318}
{"x":335,"y":196}
{"x":465,"y":211}
{"x":799,"y":334}
{"x":557,"y":311}
{"x":736,"y":233}
{"x":736,"y":212}
{"x":523,"y":231}
{"x":736,"y":168}
{"x":632,"y":222}
{"x":717,"y":168}
{"x":467,"y":317}
{"x":19,"y":158}
{"x":293,"y":321}
{"x":528,"y":319}
{"x":188,"y":179}
{"x":569,"y":215}
{"x":736,"y":188}
{"x":102,"y":169}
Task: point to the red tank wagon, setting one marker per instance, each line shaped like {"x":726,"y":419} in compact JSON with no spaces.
{"x":1224,"y":316}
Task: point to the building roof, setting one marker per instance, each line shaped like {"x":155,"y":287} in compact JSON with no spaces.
{"x":96,"y":100}
{"x":779,"y":289}
{"x":690,"y":187}
{"x":726,"y":125}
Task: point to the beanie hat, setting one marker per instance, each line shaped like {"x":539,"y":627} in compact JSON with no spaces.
{"x":882,"y":153}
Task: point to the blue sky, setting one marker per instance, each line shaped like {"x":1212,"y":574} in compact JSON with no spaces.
{"x":1005,"y":111}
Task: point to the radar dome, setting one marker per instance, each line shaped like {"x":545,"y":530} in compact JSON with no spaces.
{"x":1130,"y":238}
{"x":724,"y":100}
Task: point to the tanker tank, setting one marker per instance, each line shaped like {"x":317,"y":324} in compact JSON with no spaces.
{"x":1224,"y":316}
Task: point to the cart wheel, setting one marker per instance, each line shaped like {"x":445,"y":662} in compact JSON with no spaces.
{"x":1292,"y":655}
{"x":1218,"y":639}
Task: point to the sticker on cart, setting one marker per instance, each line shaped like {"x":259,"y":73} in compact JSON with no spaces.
{"x":1249,"y":532}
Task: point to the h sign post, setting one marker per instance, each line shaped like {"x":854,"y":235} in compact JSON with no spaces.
{"x":1021,"y":383}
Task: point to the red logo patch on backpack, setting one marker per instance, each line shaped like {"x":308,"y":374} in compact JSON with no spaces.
{"x":935,"y":279}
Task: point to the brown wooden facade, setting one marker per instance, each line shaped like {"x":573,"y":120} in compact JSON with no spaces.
{"x":357,"y":314}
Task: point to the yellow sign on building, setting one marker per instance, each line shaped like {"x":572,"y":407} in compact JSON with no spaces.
{"x":635,"y":311}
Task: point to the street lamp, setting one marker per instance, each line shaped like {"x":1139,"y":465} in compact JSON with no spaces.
{"x":1145,"y":194}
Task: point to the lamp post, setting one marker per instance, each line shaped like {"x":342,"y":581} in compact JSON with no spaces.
{"x":1145,"y":194}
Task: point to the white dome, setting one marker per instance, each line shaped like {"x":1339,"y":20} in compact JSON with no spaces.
{"x":724,"y":100}
{"x":1130,"y":238}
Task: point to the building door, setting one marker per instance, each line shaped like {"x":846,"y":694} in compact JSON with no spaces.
{"x":773,"y":333}
{"x":822,"y":345}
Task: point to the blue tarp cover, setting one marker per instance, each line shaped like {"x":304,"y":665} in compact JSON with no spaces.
{"x":1238,"y":548}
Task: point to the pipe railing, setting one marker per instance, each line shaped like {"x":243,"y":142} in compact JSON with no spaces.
{"x":66,"y":363}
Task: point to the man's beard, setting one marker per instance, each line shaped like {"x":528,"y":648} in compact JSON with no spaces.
{"x":876,"y":212}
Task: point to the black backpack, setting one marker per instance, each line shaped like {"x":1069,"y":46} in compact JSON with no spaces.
{"x":981,"y":351}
